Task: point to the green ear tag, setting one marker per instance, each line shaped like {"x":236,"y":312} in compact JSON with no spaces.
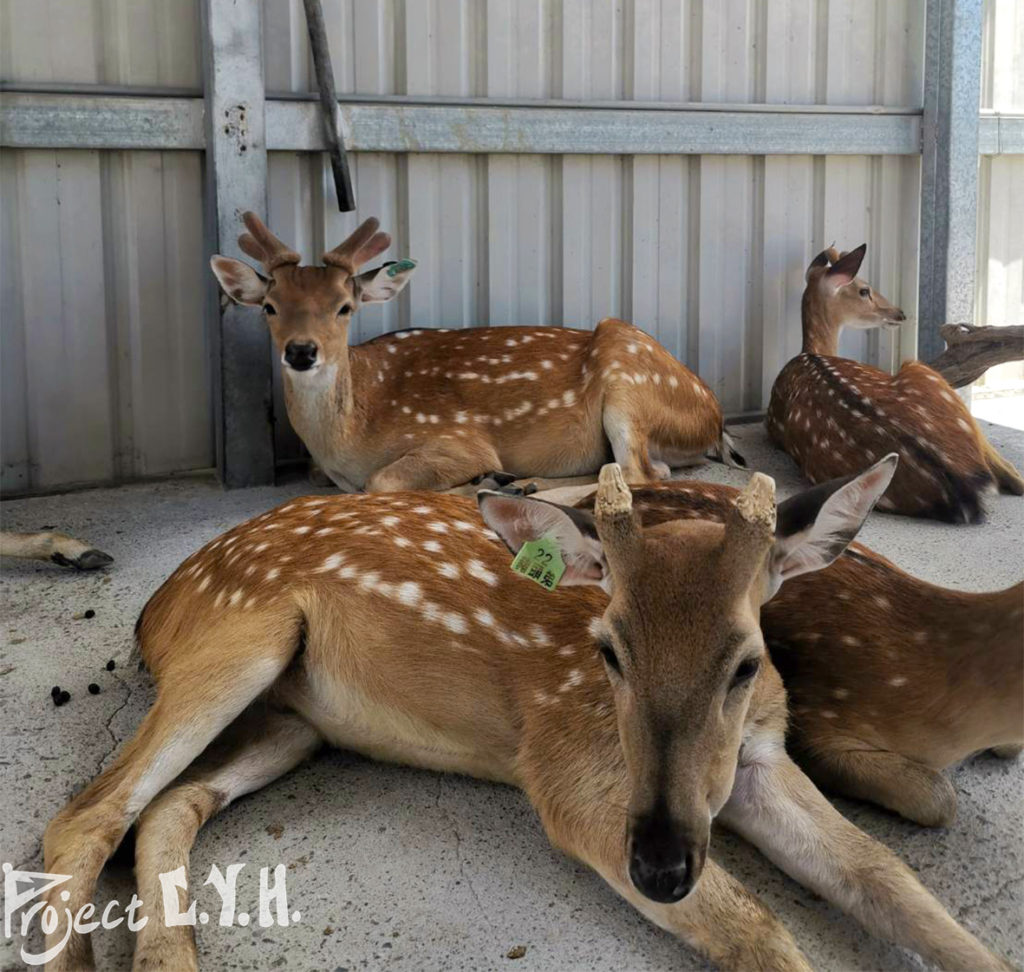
{"x":541,"y":561}
{"x":399,"y":267}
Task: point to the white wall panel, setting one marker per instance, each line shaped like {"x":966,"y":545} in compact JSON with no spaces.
{"x":1000,"y":298}
{"x":105,"y":363}
{"x":138,"y":42}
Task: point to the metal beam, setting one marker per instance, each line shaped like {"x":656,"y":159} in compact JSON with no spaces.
{"x":1000,"y":134}
{"x":596,"y":131}
{"x":30,"y":120}
{"x":100,"y":122}
{"x":236,"y":180}
{"x":949,"y":169}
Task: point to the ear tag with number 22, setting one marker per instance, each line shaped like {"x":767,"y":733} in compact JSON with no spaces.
{"x":541,"y":561}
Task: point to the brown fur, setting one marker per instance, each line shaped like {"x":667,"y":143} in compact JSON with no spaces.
{"x":890,"y":679}
{"x":434,"y":408}
{"x":308,"y":611}
{"x":834,"y":416}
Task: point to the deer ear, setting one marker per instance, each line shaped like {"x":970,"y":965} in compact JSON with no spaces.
{"x":240,"y":282}
{"x":816,"y":526}
{"x":821,"y":260}
{"x":384,"y":283}
{"x":519,"y":519}
{"x":845,"y":268}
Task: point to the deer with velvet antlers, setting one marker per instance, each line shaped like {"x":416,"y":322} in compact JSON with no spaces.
{"x":634,"y":704}
{"x":890,"y":679}
{"x":833,"y":415}
{"x":436,"y":408}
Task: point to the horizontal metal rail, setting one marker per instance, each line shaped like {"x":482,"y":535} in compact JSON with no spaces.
{"x":1000,"y":134}
{"x":33,"y":119}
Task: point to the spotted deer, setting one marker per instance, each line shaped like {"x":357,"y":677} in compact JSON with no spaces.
{"x":890,"y":679}
{"x":634,"y":704}
{"x":58,"y":548}
{"x":833,"y":415}
{"x":436,"y":408}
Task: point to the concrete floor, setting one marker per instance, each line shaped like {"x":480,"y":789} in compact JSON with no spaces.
{"x":397,"y":867}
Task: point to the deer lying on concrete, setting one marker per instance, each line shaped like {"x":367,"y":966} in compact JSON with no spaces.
{"x":433,"y":409}
{"x":58,"y":548}
{"x":833,"y":415}
{"x":890,"y":679}
{"x":393,"y":625}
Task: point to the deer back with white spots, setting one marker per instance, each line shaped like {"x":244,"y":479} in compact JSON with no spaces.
{"x":834,"y":415}
{"x":634,"y":703}
{"x":436,"y":408}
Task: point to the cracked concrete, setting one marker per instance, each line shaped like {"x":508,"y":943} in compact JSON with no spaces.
{"x":398,"y":867}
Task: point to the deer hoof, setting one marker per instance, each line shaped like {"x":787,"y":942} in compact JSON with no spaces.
{"x":88,"y":560}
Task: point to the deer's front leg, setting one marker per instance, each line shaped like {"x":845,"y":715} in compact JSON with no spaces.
{"x":778,"y":809}
{"x":435,"y":467}
{"x":722,"y":920}
{"x":719,"y":918}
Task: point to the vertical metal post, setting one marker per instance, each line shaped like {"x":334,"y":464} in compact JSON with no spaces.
{"x":236,"y":180}
{"x":949,"y":168}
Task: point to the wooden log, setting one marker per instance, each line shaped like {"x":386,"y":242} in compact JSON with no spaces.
{"x":971,"y":350}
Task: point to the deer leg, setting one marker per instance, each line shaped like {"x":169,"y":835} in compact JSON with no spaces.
{"x":1006,"y":476}
{"x":629,"y":445}
{"x":255,"y":750}
{"x":1010,"y":751}
{"x":57,"y":547}
{"x":190,"y":712}
{"x":435,"y":468}
{"x":777,"y":808}
{"x":903,"y":785}
{"x":720,"y":919}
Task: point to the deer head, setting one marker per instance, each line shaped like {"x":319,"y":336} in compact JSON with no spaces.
{"x":835,"y":297}
{"x":309,"y":308}
{"x":681,"y":640}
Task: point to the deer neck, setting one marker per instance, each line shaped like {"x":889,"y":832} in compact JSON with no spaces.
{"x":320,"y":403}
{"x":821,"y":332}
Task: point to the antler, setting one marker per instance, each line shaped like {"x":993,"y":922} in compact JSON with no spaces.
{"x":613,"y":510}
{"x":364,"y":244}
{"x":262,"y":245}
{"x":750,"y":526}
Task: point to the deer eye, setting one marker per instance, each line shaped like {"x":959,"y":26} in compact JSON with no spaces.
{"x":345,"y":309}
{"x":745,"y":671}
{"x":609,"y":656}
{"x":865,"y":292}
{"x":269,"y":310}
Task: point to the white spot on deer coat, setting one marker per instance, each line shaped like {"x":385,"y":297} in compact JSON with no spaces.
{"x":478,"y":570}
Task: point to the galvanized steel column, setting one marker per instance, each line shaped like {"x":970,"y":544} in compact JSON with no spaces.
{"x":949,"y":168}
{"x":236,"y":180}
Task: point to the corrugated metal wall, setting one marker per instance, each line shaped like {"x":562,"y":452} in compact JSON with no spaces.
{"x":105,"y":368}
{"x":105,"y":372}
{"x":1001,"y":190}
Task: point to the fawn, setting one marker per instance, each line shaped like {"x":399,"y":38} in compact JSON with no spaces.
{"x":58,"y":548}
{"x":890,"y":679}
{"x":832,"y":415}
{"x":634,"y":704}
{"x":437,"y":408}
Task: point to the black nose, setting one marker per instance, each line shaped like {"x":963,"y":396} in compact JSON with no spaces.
{"x":301,"y":356}
{"x":899,"y":315}
{"x":662,"y":881}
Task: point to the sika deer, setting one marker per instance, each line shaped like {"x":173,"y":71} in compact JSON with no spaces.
{"x":890,"y":679}
{"x":833,"y":415}
{"x":433,"y":409}
{"x":393,"y":625}
{"x":57,"y":548}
